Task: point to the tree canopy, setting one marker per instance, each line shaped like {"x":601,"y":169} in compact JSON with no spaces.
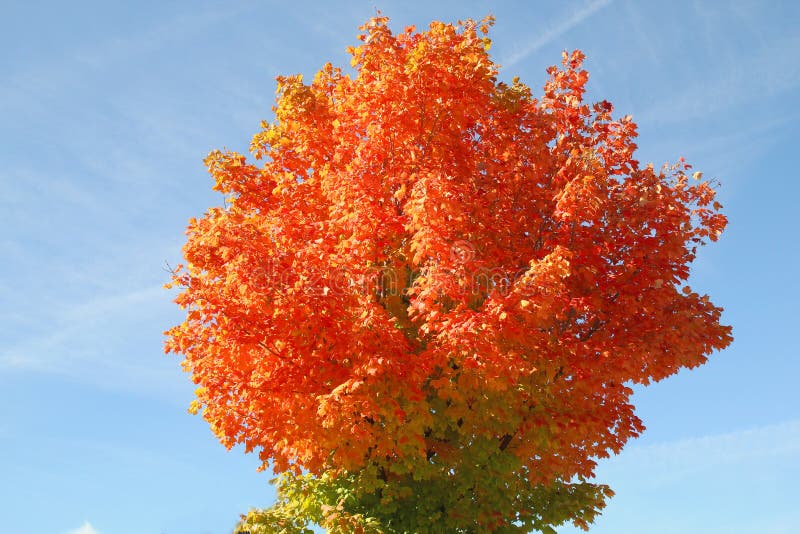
{"x":426,"y":301}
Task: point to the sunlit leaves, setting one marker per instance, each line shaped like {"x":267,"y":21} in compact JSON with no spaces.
{"x":432,"y":291}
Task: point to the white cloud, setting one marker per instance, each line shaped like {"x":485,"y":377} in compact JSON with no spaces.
{"x":555,"y":31}
{"x":757,"y":76}
{"x":90,"y":342}
{"x":86,"y":528}
{"x":41,"y":353}
{"x":672,"y":461}
{"x":49,"y":78}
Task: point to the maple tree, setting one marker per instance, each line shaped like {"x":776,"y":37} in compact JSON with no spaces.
{"x":427,"y":302}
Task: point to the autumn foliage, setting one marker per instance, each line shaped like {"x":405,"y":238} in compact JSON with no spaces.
{"x":431,"y":293}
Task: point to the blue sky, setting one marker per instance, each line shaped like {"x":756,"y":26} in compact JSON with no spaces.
{"x":106,"y":112}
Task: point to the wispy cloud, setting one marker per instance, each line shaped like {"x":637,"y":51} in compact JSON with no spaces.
{"x":755,"y":78}
{"x":86,"y":528}
{"x":720,"y":155}
{"x":574,"y":19}
{"x":159,"y":34}
{"x":49,"y":77}
{"x":84,"y":341}
{"x":673,"y":461}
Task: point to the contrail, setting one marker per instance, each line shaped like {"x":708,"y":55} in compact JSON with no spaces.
{"x":576,"y":18}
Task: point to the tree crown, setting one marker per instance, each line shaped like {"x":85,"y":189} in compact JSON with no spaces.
{"x":434,"y":280}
